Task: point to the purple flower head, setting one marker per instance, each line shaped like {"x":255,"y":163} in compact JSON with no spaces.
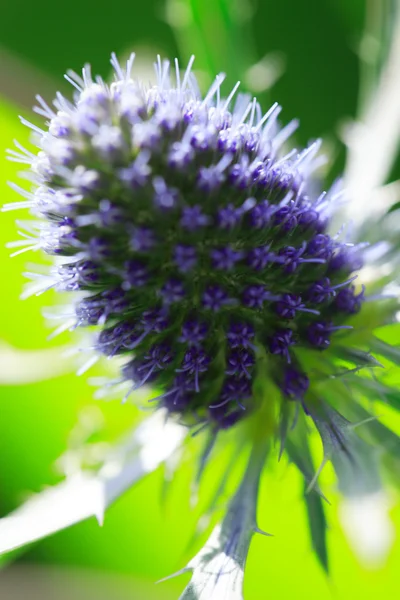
{"x":198,"y":247}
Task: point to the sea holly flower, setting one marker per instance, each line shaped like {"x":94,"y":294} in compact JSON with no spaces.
{"x":195,"y":244}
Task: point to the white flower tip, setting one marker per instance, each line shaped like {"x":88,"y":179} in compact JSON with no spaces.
{"x":100,"y":517}
{"x":369,"y":530}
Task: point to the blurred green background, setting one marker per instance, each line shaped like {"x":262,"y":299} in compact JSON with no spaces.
{"x":306,"y":57}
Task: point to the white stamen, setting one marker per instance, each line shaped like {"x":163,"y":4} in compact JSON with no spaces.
{"x":187,"y":73}
{"x":215,"y":87}
{"x":31,"y":126}
{"x":285,"y":133}
{"x":16,"y":206}
{"x":275,"y":107}
{"x":87,"y":75}
{"x":246,"y":113}
{"x":253,"y":111}
{"x":308,"y":154}
{"x":177,"y":75}
{"x":88,"y":364}
{"x":116,"y":66}
{"x":45,"y":111}
{"x":64,"y":327}
{"x":73,"y":83}
{"x":229,"y":98}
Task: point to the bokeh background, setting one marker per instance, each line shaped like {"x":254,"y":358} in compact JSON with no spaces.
{"x":316,"y":59}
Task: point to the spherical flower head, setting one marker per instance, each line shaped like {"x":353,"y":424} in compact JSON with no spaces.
{"x":194,"y":244}
{"x":190,"y":237}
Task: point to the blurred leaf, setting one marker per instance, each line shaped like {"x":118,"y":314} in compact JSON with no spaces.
{"x":377,"y":390}
{"x":218,"y":32}
{"x":18,"y":367}
{"x":84,"y":495}
{"x":389,"y":351}
{"x":302,"y":458}
{"x":318,"y":526}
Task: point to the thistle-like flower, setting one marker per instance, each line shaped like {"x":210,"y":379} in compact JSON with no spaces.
{"x":202,"y":254}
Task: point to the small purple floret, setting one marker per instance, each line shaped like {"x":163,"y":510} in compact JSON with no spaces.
{"x":240,"y":334}
{"x":193,"y":332}
{"x":185,"y":257}
{"x":193,"y":218}
{"x":289,"y":304}
{"x":295,"y":384}
{"x":172,"y":291}
{"x":229,"y":216}
{"x":136,"y":274}
{"x":215,"y":297}
{"x":142,"y":239}
{"x":254,"y":296}
{"x":348,"y":301}
{"x":194,"y":363}
{"x":240,"y":362}
{"x":280,"y":343}
{"x":225,"y":259}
